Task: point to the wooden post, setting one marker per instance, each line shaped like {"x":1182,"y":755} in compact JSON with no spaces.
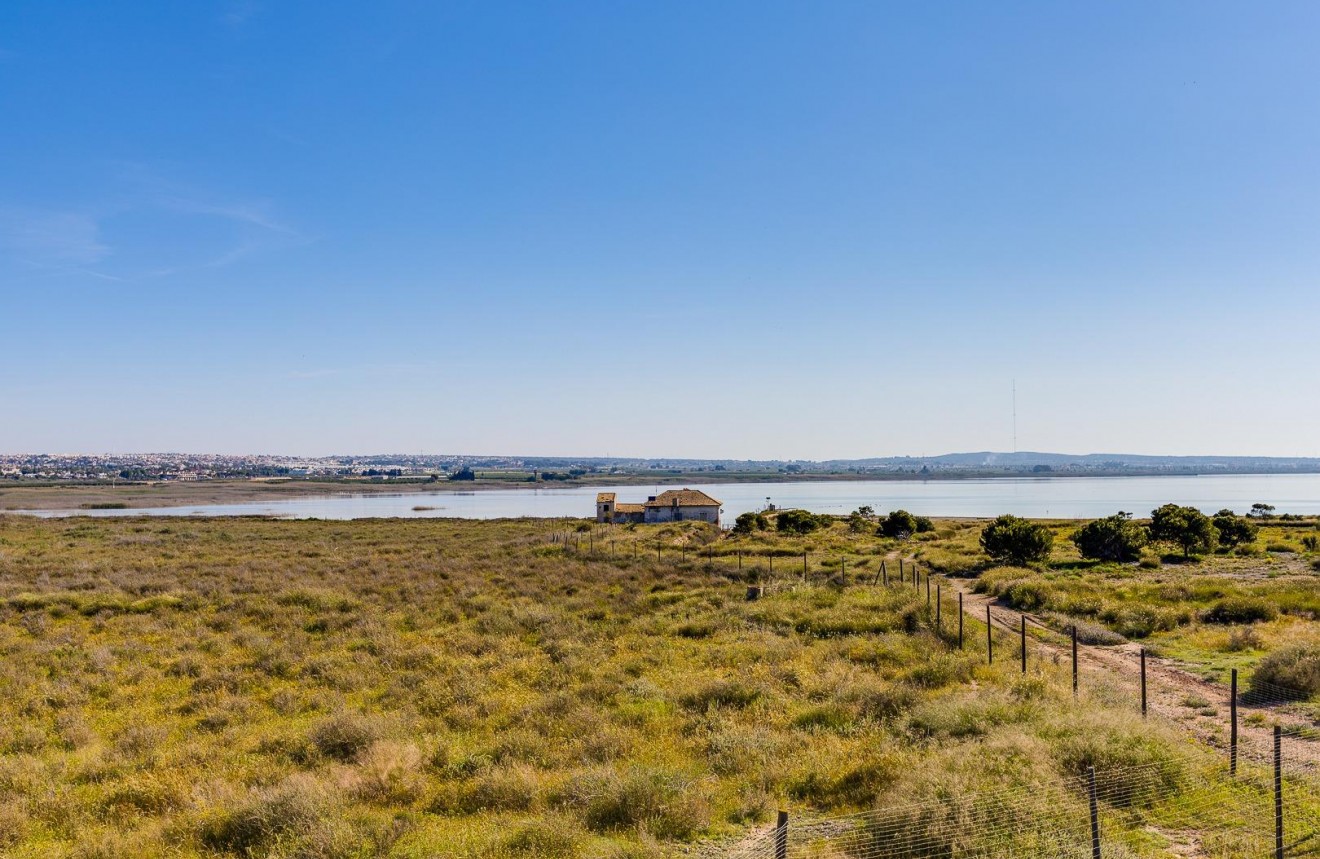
{"x":884,"y":573}
{"x":1074,"y":659}
{"x":960,"y":620}
{"x":1233,"y":725}
{"x":900,"y":571}
{"x":804,"y":563}
{"x":740,"y":560}
{"x":843,"y":570}
{"x":927,"y":590}
{"x":989,"y":639}
{"x":939,"y":626}
{"x":781,"y":836}
{"x":591,"y":543}
{"x":1278,"y":792}
{"x":1143,"y":682}
{"x":1024,"y":644}
{"x":1095,"y":812}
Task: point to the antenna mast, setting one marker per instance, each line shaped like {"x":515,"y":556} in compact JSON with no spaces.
{"x":1015,"y":415}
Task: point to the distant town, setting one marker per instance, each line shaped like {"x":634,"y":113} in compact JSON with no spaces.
{"x":156,"y":467}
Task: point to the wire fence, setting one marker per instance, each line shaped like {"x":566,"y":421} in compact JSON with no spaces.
{"x":1263,"y":739}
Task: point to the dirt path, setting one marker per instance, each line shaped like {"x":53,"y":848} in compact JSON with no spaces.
{"x":1198,"y":705}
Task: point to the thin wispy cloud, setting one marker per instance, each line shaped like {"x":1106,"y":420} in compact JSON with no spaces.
{"x":239,"y":13}
{"x":46,"y":238}
{"x":103,"y":238}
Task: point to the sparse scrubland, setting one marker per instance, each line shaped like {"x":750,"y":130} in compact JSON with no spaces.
{"x":412,"y":688}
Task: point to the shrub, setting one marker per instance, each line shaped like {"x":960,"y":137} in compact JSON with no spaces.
{"x":1291,"y":672}
{"x":1113,"y":538}
{"x":1186,"y":527}
{"x":1139,"y":768}
{"x":285,"y":813}
{"x":549,"y":839}
{"x":924,"y":525}
{"x":721,"y":693}
{"x":748,"y":522}
{"x":1240,"y":610}
{"x":666,"y":804}
{"x":800,"y":521}
{"x":898,"y":524}
{"x":1016,"y":541}
{"x":1234,"y":530}
{"x":344,"y":735}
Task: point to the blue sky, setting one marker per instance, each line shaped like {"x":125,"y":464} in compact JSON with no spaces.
{"x":761,"y":229}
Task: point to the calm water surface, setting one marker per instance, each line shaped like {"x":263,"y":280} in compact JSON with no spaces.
{"x":1063,"y":497}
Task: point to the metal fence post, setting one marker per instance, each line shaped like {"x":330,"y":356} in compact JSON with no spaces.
{"x":1095,"y":813}
{"x":960,"y":620}
{"x":1278,"y":792}
{"x":1143,"y":682}
{"x":1074,"y":659}
{"x":1024,"y":644}
{"x":1233,"y":725}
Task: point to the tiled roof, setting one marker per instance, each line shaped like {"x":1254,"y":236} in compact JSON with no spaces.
{"x":603,"y":497}
{"x":683,"y":498}
{"x":629,"y":508}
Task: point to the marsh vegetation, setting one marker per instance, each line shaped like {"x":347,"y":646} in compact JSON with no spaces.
{"x":252,"y":687}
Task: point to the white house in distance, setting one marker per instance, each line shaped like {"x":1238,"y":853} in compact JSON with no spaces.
{"x":672,"y":505}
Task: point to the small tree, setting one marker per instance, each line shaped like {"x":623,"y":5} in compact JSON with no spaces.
{"x":1262,"y":511}
{"x":899,"y":524}
{"x":799,"y":521}
{"x":924,"y":524}
{"x":748,"y":522}
{"x":1234,"y":530}
{"x":1185,"y":527}
{"x":1113,"y":538}
{"x":1013,"y":540}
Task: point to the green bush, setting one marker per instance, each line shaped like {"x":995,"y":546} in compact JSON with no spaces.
{"x":1114,"y":538}
{"x":1234,"y":530}
{"x":1240,"y":610}
{"x":1010,"y":539}
{"x":898,"y":524}
{"x":1289,"y":672}
{"x":800,"y":522}
{"x":748,"y":522}
{"x":1186,"y":527}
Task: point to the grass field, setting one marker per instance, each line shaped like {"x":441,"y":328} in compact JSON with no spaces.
{"x":415,"y":688}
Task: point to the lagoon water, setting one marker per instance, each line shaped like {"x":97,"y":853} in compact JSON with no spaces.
{"x":1062,"y":497}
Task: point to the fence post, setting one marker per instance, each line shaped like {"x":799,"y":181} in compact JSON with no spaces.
{"x":927,"y":590}
{"x":1024,"y":644}
{"x":1233,"y":725}
{"x":1143,"y":682}
{"x":740,"y":560}
{"x":1278,"y":792}
{"x":900,"y":571}
{"x":939,"y":624}
{"x":843,"y":570}
{"x":989,"y":639}
{"x":884,"y":573}
{"x":1074,"y":659}
{"x":804,"y":563}
{"x":960,"y":620}
{"x":1095,"y":813}
{"x":781,"y":836}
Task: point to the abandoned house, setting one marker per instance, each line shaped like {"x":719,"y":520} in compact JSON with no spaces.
{"x":672,"y":505}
